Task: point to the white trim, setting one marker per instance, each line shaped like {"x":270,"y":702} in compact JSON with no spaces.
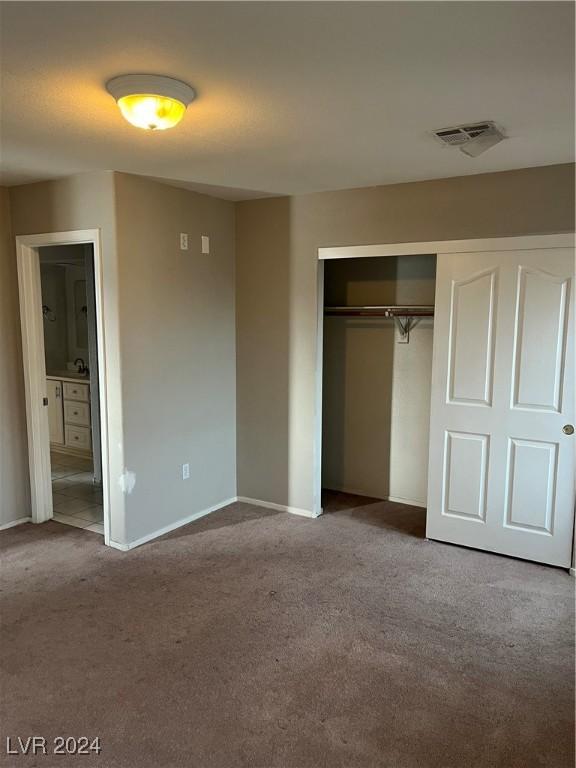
{"x":318,"y":411}
{"x":449,"y":246}
{"x":279,"y":507}
{"x":30,"y":293}
{"x":70,"y":451}
{"x":202,"y":513}
{"x":12,"y":523}
{"x":35,"y":368}
{"x":172,"y":527}
{"x":572,"y":571}
{"x":408,"y":502}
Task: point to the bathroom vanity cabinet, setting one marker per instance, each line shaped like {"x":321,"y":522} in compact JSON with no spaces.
{"x":69,"y":414}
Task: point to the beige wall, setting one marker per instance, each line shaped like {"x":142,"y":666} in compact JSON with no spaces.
{"x":376,"y":403}
{"x":171,"y":341}
{"x":178,"y":351}
{"x":14,"y":481}
{"x":167,"y":301}
{"x":262,"y":278}
{"x":530,"y":201}
{"x":86,"y":201}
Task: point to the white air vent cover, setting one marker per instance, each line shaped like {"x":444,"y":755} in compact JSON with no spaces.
{"x":472,"y":139}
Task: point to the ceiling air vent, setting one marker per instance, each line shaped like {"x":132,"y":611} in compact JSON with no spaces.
{"x":472,"y":139}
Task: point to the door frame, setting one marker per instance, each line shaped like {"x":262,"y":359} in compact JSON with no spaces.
{"x":30,"y":293}
{"x":515,"y":243}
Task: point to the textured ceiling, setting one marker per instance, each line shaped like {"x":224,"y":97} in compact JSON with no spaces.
{"x":292,"y":97}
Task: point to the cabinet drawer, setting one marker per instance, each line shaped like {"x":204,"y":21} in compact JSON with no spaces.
{"x":76,"y":413}
{"x":78,"y":437}
{"x":75,"y":391}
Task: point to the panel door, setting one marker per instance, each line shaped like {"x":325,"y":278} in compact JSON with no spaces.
{"x":55,"y":411}
{"x":501,"y":469}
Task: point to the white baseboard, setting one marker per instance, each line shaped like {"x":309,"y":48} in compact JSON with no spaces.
{"x":172,"y":527}
{"x":197,"y":515}
{"x":70,"y":451}
{"x":279,"y":507}
{"x":12,"y":523}
{"x":396,"y":499}
{"x":409,"y":502}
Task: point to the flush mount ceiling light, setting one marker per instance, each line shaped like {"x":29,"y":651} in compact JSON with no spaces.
{"x":152,"y":102}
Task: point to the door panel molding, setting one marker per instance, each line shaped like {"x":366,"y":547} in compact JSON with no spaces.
{"x":459,"y":501}
{"x":532,"y":503}
{"x":554,"y":350}
{"x":463,"y":305}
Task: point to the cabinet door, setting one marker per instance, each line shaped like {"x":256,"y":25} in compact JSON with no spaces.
{"x":55,"y":411}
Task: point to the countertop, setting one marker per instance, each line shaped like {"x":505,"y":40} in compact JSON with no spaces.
{"x":70,"y":377}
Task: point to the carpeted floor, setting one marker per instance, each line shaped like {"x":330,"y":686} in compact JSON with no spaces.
{"x":260,"y":639}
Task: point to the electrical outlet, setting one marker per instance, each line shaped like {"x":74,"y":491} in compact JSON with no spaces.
{"x":183,"y":241}
{"x":205,"y":243}
{"x":185,"y":471}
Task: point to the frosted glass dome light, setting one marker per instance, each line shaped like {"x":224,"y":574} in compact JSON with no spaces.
{"x":151,"y":102}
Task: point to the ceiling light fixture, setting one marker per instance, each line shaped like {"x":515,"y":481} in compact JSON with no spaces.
{"x":152,"y":102}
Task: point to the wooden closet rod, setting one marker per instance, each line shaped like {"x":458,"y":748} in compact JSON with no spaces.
{"x":384,"y":310}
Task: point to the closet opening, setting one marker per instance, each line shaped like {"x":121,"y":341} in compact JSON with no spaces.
{"x":378,"y":322}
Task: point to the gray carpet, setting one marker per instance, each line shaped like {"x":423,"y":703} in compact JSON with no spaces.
{"x":260,"y":639}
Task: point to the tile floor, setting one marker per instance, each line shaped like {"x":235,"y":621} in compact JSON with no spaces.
{"x":76,"y":499}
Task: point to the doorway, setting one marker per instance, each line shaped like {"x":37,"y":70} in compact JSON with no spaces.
{"x":61,"y":303}
{"x":71,"y":361}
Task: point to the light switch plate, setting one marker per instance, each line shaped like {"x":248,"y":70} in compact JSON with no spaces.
{"x":205,"y":244}
{"x":185,"y":471}
{"x":183,"y":241}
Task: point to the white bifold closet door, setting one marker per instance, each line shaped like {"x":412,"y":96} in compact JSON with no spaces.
{"x":501,"y":469}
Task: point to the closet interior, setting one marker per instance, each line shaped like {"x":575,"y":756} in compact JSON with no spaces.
{"x":377,"y":366}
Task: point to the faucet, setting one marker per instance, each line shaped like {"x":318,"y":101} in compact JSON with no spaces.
{"x":82,"y":367}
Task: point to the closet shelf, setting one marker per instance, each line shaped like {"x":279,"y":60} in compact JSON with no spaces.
{"x":383,"y":310}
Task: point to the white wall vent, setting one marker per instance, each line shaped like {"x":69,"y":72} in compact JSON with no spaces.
{"x":470,"y":138}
